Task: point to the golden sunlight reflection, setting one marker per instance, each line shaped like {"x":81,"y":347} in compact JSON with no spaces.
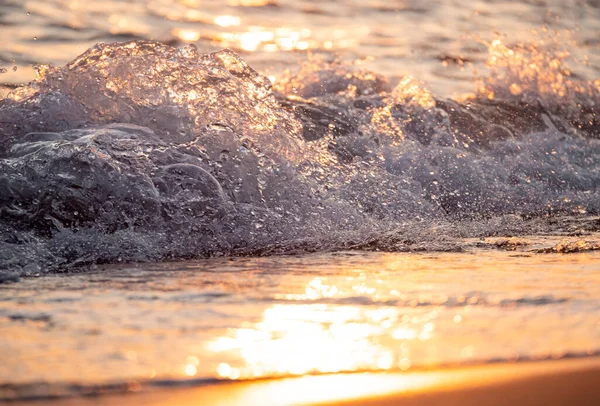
{"x":335,"y":388}
{"x":263,"y":38}
{"x":368,"y":312}
{"x":301,"y":339}
{"x":227,"y":21}
{"x":186,"y":35}
{"x":298,"y":339}
{"x":411,"y":91}
{"x":251,"y":3}
{"x":533,"y":69}
{"x":190,"y":370}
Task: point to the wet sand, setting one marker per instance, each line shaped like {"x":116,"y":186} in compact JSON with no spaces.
{"x":563,"y":382}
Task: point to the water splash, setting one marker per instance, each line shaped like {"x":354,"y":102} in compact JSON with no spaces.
{"x":141,"y":151}
{"x":538,"y":75}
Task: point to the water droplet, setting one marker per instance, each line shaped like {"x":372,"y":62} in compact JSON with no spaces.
{"x":245,"y":145}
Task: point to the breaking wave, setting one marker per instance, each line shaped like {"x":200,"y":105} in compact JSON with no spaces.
{"x":139,"y":151}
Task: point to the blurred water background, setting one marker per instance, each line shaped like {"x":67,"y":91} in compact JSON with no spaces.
{"x":439,"y":42}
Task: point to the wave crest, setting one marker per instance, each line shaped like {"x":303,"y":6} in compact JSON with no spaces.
{"x":141,"y":151}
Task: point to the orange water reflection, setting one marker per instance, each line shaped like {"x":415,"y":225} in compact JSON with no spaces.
{"x":298,"y":339}
{"x":282,"y":316}
{"x":534,"y":69}
{"x":255,"y":38}
{"x":435,"y":41}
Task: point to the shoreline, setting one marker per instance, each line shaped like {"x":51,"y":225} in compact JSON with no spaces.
{"x":555,"y":382}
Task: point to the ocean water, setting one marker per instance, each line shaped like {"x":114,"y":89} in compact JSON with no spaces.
{"x":139,"y":327}
{"x":270,"y":151}
{"x":436,"y":41}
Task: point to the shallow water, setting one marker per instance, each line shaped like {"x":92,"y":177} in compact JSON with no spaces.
{"x":279,"y":316}
{"x":464,"y":133}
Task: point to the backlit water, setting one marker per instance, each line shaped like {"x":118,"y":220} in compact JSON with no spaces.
{"x":354,"y":186}
{"x":280,"y":316}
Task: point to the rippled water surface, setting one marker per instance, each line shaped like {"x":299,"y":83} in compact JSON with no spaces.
{"x":439,"y":42}
{"x":279,"y":316}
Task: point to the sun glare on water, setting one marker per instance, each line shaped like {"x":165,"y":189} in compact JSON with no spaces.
{"x":307,"y":338}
